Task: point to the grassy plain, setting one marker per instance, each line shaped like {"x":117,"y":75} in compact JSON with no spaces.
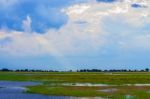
{"x":53,"y":83}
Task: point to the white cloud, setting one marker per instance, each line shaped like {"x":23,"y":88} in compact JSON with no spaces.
{"x":27,"y":24}
{"x":84,"y":31}
{"x":139,"y":42}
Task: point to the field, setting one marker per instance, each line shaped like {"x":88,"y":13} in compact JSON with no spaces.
{"x":117,"y":85}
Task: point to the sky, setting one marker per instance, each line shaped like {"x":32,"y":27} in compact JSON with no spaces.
{"x":75,"y":34}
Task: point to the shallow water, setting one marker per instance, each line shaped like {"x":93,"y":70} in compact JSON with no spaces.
{"x":16,"y":90}
{"x":137,"y":84}
{"x":28,"y":96}
{"x":11,"y":90}
{"x":17,"y":84}
{"x":83,"y":84}
{"x":109,"y":90}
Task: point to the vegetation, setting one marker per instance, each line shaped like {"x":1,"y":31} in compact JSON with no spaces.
{"x":121,"y":93}
{"x":53,"y":83}
{"x":81,"y":70}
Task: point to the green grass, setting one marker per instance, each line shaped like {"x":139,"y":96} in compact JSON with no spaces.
{"x":121,"y":93}
{"x":68,"y":77}
{"x":65,"y":91}
{"x":124,"y":78}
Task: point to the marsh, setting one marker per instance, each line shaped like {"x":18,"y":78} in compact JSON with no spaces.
{"x":17,"y":90}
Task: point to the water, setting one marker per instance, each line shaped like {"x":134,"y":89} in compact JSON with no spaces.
{"x":84,"y":84}
{"x":109,"y":90}
{"x":17,"y":84}
{"x":16,"y":90}
{"x":137,"y":85}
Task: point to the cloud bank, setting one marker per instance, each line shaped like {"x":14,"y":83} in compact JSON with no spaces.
{"x":77,"y":27}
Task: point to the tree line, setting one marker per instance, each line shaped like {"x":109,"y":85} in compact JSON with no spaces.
{"x":26,"y":70}
{"x":113,"y":70}
{"x":81,"y":70}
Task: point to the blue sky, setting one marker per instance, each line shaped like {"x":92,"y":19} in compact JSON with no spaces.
{"x":74,"y":34}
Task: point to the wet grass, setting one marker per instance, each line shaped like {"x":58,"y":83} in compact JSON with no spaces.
{"x":52,"y":83}
{"x":65,"y":91}
{"x":121,"y":93}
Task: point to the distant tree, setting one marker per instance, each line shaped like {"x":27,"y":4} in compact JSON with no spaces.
{"x":17,"y":70}
{"x":105,"y":70}
{"x":5,"y":69}
{"x":142,"y":70}
{"x":130,"y":70}
{"x":147,"y":69}
{"x":70,"y":71}
{"x":26,"y":70}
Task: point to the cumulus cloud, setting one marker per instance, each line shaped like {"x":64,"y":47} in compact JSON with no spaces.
{"x":84,"y":31}
{"x":27,"y":24}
